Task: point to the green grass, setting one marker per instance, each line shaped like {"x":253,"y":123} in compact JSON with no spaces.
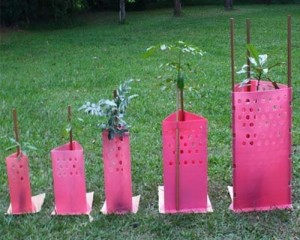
{"x":44,"y":69}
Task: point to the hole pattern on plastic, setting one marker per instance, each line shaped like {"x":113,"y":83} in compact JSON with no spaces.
{"x":67,"y":167}
{"x":18,"y":172}
{"x":117,"y":156}
{"x":261,"y":120}
{"x":189,"y":150}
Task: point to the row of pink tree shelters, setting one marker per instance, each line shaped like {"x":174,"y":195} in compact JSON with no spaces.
{"x":184,"y":156}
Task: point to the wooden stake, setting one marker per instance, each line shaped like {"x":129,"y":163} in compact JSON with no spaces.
{"x":177,"y":170}
{"x":289,"y":49}
{"x":177,"y":154}
{"x":70,"y":133}
{"x":182,"y":115}
{"x":232,"y":52}
{"x":248,"y":42}
{"x":16,"y":130}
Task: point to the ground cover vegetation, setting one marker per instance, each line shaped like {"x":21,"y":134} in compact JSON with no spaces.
{"x":44,"y":69}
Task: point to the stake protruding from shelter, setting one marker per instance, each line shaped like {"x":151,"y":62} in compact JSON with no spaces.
{"x":289,"y":50}
{"x":232,"y":52}
{"x":248,"y":24}
{"x":70,"y":132}
{"x":16,"y":130}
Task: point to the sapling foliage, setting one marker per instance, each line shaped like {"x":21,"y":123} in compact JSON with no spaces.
{"x":179,"y":65}
{"x":24,"y":147}
{"x":259,"y":68}
{"x":113,"y":110}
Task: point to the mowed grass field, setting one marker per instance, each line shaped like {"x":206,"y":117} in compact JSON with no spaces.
{"x":45,"y":68}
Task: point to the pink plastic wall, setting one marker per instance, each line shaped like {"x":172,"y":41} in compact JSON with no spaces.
{"x":69,"y":179}
{"x":19,"y":184}
{"x":117,"y":173}
{"x":261,"y":147}
{"x":193,"y":163}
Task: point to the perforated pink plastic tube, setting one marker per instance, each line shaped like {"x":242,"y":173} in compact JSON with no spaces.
{"x":192,"y":163}
{"x":261,"y":147}
{"x":69,"y":180}
{"x":19,"y":184}
{"x":117,"y":173}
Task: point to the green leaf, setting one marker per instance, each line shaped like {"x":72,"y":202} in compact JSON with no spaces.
{"x":11,"y":147}
{"x":253,"y":52}
{"x":149,"y":51}
{"x":180,"y":82}
{"x":277,"y":64}
{"x":69,"y":127}
{"x":169,"y":80}
{"x":30,"y":147}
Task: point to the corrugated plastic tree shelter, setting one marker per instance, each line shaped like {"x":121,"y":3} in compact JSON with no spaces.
{"x":261,"y":144}
{"x":117,"y":174}
{"x":184,"y":165}
{"x":69,"y":183}
{"x":19,"y":180}
{"x":116,"y":151}
{"x":184,"y":140}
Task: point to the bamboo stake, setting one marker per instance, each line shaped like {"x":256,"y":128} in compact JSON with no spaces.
{"x":15,"y":120}
{"x":289,"y":49}
{"x":182,"y":115}
{"x":248,"y":42}
{"x":177,"y":156}
{"x":232,"y":52}
{"x":70,"y":133}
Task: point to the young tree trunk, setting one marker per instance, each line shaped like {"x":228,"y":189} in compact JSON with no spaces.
{"x":122,"y":12}
{"x":228,"y":4}
{"x":177,"y":8}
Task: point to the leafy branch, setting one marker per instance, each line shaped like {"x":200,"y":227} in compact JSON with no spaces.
{"x":179,"y":67}
{"x":259,"y":69}
{"x":114,"y":110}
{"x":24,"y":147}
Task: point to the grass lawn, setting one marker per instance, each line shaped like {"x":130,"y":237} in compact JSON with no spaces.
{"x":44,"y":69}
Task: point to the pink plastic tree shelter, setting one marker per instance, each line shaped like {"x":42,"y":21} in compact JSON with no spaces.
{"x":19,"y":181}
{"x":19,"y":184}
{"x":117,"y":175}
{"x":261,"y":145}
{"x":261,"y":148}
{"x":192,"y":174}
{"x":69,"y":180}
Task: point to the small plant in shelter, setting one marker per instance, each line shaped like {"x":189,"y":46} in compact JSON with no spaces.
{"x":179,"y":68}
{"x":23,"y":148}
{"x":259,"y":69}
{"x":114,"y":110}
